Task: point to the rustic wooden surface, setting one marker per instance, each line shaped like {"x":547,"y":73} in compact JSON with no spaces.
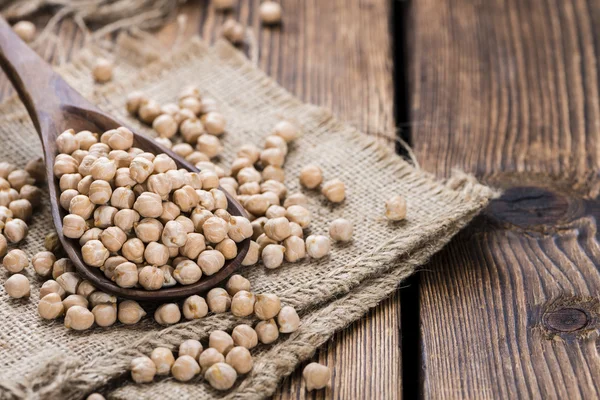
{"x":508,"y":90}
{"x":331,"y":54}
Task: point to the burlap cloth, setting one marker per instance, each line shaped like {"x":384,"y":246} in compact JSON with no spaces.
{"x":42,"y":359}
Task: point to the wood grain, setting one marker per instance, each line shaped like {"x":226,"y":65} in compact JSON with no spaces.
{"x":336,"y":54}
{"x":508,"y":90}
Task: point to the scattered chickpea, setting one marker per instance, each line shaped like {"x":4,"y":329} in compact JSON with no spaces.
{"x":15,"y":261}
{"x":163,"y":360}
{"x":69,"y":281}
{"x":287,"y":130}
{"x":191,"y":348}
{"x":167,"y":314}
{"x":25,"y":30}
{"x":233,"y":31}
{"x":51,"y":286}
{"x":311,"y":176}
{"x":278,"y":229}
{"x":237,"y":283}
{"x":50,"y":306}
{"x":221,"y":376}
{"x":17,"y":286}
{"x":79,"y":318}
{"x":85,"y":288}
{"x":341,"y":230}
{"x":103,"y":70}
{"x":267,"y":306}
{"x":252,"y":255}
{"x":211,"y":261}
{"x":142,"y":369}
{"x":221,"y":341}
{"x":148,"y":111}
{"x":270,"y":13}
{"x":334,"y":190}
{"x":73,"y":300}
{"x":214,"y":123}
{"x":187,"y":272}
{"x":130,"y":312}
{"x":210,"y":357}
{"x":299,"y":215}
{"x":240,"y":359}
{"x":272,"y":256}
{"x":244,"y":335}
{"x":15,"y":230}
{"x":294,"y":249}
{"x":316,"y":376}
{"x":151,"y":278}
{"x":165,"y":125}
{"x":185,"y":368}
{"x":317,"y":246}
{"x":288,"y":320}
{"x":395,"y":208}
{"x":242,"y":304}
{"x":267,"y":331}
{"x":218,"y":300}
{"x":105,"y":314}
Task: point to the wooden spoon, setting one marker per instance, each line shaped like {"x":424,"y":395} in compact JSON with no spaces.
{"x":54,"y":107}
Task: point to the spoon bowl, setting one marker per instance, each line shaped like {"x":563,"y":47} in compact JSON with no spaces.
{"x":54,"y":107}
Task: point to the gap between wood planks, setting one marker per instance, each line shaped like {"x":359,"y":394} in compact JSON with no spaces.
{"x":409,"y":293}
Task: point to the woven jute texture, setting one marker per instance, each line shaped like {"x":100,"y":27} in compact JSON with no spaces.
{"x":42,"y":359}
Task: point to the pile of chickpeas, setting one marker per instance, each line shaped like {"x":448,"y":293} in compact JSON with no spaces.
{"x":227,"y":355}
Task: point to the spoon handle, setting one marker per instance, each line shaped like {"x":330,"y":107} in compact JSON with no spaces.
{"x":43,"y":92}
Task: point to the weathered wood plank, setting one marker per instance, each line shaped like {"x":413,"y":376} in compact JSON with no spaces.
{"x":508,"y":90}
{"x":331,"y":54}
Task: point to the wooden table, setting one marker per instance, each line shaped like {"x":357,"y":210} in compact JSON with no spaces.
{"x":507,"y":90}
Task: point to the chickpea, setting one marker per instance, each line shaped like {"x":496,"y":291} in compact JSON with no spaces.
{"x":252,"y":255}
{"x":102,"y":71}
{"x":123,"y":178}
{"x":122,"y":139}
{"x":130,"y":312}
{"x":165,"y":125}
{"x":275,"y":212}
{"x":15,"y":261}
{"x":244,"y":335}
{"x":73,"y":226}
{"x":186,"y":198}
{"x":228,"y":248}
{"x":122,"y":198}
{"x":296,"y":199}
{"x":296,"y":230}
{"x":148,"y":230}
{"x":276,"y":187}
{"x":31,"y":194}
{"x":242,"y":304}
{"x":263,"y":241}
{"x":25,"y":30}
{"x":133,"y":250}
{"x":196,"y":157}
{"x":294,"y":249}
{"x":191,"y":348}
{"x":151,"y":278}
{"x":210,"y":357}
{"x":50,"y":306}
{"x":299,"y":215}
{"x":17,"y":286}
{"x":341,"y":230}
{"x":81,"y":205}
{"x":73,"y":300}
{"x":210,"y":179}
{"x":195,"y":307}
{"x":65,"y":164}
{"x":105,"y":314}
{"x":267,"y":331}
{"x":191,"y":103}
{"x":218,"y":300}
{"x":164,"y":142}
{"x":287,"y":130}
{"x":126,"y":275}
{"x":185,"y":368}
{"x":94,"y":253}
{"x":221,"y":341}
{"x":267,"y":306}
{"x":69,"y":281}
{"x":240,"y":359}
{"x":113,"y":238}
{"x":311,"y":176}
{"x":148,"y":205}
{"x":85,"y":289}
{"x":191,"y":129}
{"x":51,"y":286}
{"x":61,"y":266}
{"x":148,"y":111}
{"x":221,"y":376}
{"x":15,"y":230}
{"x":7,"y":196}
{"x":278,"y":228}
{"x":257,"y":204}
{"x":86,"y":139}
{"x":194,"y":245}
{"x":237,"y":283}
{"x":272,"y":256}
{"x":187,"y":272}
{"x":3,"y":245}
{"x":167,"y":314}
{"x":272,"y":156}
{"x":276,"y":142}
{"x":104,"y":216}
{"x":134,"y":101}
{"x":43,"y":262}
{"x":163,"y":163}
{"x":214,"y":123}
{"x":334,"y":190}
{"x":270,"y":13}
{"x":98,"y":297}
{"x":142,"y":369}
{"x":95,"y":396}
{"x":271,"y":172}
{"x":211,"y":261}
{"x":5,"y":213}
{"x":395,"y":208}
{"x":163,"y":359}
{"x":316,"y":376}
{"x":209,"y":145}
{"x":79,"y":318}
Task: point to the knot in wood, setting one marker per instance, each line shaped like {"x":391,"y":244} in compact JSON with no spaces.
{"x":566,"y":320}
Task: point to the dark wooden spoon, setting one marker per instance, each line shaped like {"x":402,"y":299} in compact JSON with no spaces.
{"x":54,"y":107}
